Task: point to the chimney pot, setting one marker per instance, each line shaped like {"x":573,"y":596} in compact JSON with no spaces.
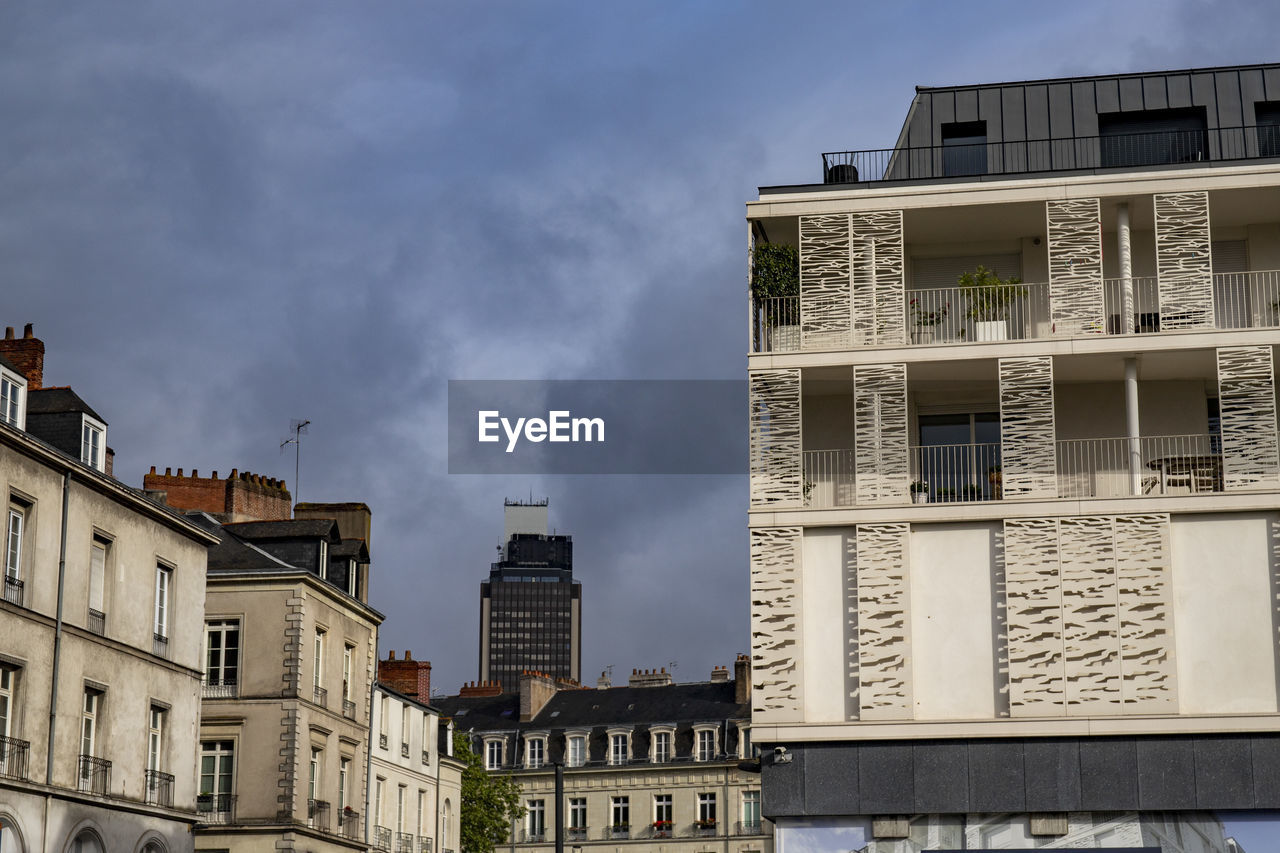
{"x":28,"y":331}
{"x":391,"y":654}
{"x":168,"y":472}
{"x":8,"y":333}
{"x":179,"y":472}
{"x":195,"y":473}
{"x":153,"y":469}
{"x":215,"y":475}
{"x":408,"y":655}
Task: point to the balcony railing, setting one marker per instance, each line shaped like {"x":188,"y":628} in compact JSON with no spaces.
{"x":426,"y":757}
{"x":216,"y":808}
{"x":576,"y":833}
{"x":662,"y":829}
{"x":318,"y":815}
{"x":404,"y":750}
{"x":349,"y":823}
{"x":703,"y":829}
{"x":426,"y":845}
{"x":617,"y":833}
{"x":748,"y":827}
{"x":320,"y":696}
{"x":1051,"y":155}
{"x":381,"y":838}
{"x":533,"y":836}
{"x":159,"y":788}
{"x":348,"y":709}
{"x":13,"y":758}
{"x":404,"y":842}
{"x":942,"y":315}
{"x":97,"y":622}
{"x":382,"y":741}
{"x":95,"y":775}
{"x":13,"y":590}
{"x":160,"y":645}
{"x":224,"y":688}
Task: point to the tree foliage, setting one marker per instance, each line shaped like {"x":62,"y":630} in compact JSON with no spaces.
{"x":775,"y":270}
{"x":490,"y":802}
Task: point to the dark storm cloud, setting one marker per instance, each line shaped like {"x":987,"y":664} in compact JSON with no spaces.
{"x":223,"y":219}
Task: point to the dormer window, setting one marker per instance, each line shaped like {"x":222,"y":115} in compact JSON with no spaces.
{"x":12,"y":390}
{"x":704,"y":742}
{"x":93,"y":439}
{"x":493,"y":748}
{"x":351,"y":578}
{"x":576,"y":749}
{"x":661,"y":742}
{"x":619,"y":746}
{"x":535,"y":752}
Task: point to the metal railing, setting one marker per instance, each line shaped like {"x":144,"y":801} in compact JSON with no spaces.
{"x":382,"y":741}
{"x":320,"y":696}
{"x":224,"y":688}
{"x":426,"y":757}
{"x":97,"y":622}
{"x":349,"y":823}
{"x":747,"y":827}
{"x":425,"y":845}
{"x":662,"y":829}
{"x":159,"y":788}
{"x":576,"y":833}
{"x":160,"y":645}
{"x":942,"y":315}
{"x":1120,"y":151}
{"x":617,"y":833}
{"x":216,"y":808}
{"x":348,"y":709}
{"x":318,"y":815}
{"x":533,"y":836}
{"x":1150,"y":465}
{"x":404,"y":842}
{"x":828,"y":478}
{"x":404,"y":750}
{"x":95,"y":775}
{"x":955,"y":473}
{"x":13,"y":590}
{"x":14,"y":754}
{"x":381,"y":838}
{"x":703,"y":829}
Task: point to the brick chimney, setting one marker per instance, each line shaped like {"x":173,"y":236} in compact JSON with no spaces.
{"x":719,"y":675}
{"x":649,"y":678}
{"x":536,"y":690}
{"x":408,"y":676}
{"x":474,"y":689}
{"x":242,"y":496}
{"x":742,"y":680}
{"x":26,"y":354}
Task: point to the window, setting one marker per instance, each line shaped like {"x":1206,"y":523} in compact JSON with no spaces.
{"x":217,"y":762}
{"x":351,"y":578}
{"x":964,"y":148}
{"x":745,"y":748}
{"x":164,"y":576}
{"x":13,"y":541}
{"x":318,"y":659}
{"x":661,"y":747}
{"x":707,"y":809}
{"x":97,"y":585}
{"x":1267,"y":118}
{"x":89,"y":721}
{"x":422,"y":802}
{"x":578,"y":813}
{"x":751,"y":811}
{"x":426,"y":738}
{"x":618,"y":748}
{"x":662,"y":814}
{"x":492,"y":754}
{"x":537,"y":751}
{"x":7,"y":679}
{"x":344,"y":774}
{"x":313,"y":779}
{"x":323,"y":568}
{"x":384,"y":714}
{"x":155,"y":739}
{"x":10,"y":401}
{"x":347,"y":652}
{"x":91,"y":434}
{"x":404,"y":730}
{"x":706,"y":745}
{"x":957,"y":454}
{"x":222,"y":656}
{"x":577,"y":751}
{"x":536,"y":820}
{"x":1150,"y":137}
{"x":378,"y":790}
{"x":620,"y":812}
{"x":400,"y":792}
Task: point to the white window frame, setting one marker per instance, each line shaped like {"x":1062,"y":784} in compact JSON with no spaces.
{"x":164,"y":587}
{"x":99,"y":556}
{"x":317,"y":671}
{"x":401,"y":790}
{"x":93,"y":442}
{"x":422,"y":807}
{"x":575,"y":757}
{"x":8,"y":687}
{"x":155,"y":738}
{"x":379,"y":791}
{"x":218,"y":676}
{"x":619,"y":756}
{"x":324,"y":559}
{"x":404,"y":729}
{"x":751,"y":808}
{"x":536,"y":819}
{"x":535,"y":752}
{"x":707,"y":807}
{"x":13,"y":389}
{"x":577,"y":813}
{"x":344,"y":775}
{"x":663,"y":809}
{"x":348,"y":651}
{"x":620,"y":807}
{"x":664,"y":736}
{"x":351,"y":578}
{"x":313,"y":777}
{"x":217,"y":750}
{"x":90,"y":710}
{"x":494,"y":748}
{"x":14,"y":529}
{"x":706,"y":744}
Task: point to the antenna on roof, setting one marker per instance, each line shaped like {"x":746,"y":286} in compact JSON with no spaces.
{"x":298,"y":428}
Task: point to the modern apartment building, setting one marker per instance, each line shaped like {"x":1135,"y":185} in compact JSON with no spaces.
{"x":1014,"y":473}
{"x":100,"y":637}
{"x":530,"y":607}
{"x":651,"y":767}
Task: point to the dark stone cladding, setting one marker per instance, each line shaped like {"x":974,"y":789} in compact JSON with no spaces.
{"x":1146,"y":773}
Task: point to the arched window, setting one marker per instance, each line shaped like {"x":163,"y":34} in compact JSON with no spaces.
{"x":446,"y":819}
{"x":87,"y":842}
{"x":10,"y":837}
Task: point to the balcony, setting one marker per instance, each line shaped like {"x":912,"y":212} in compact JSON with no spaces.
{"x":1117,"y":151}
{"x":703,"y":828}
{"x":381,"y":838}
{"x":97,"y":622}
{"x":159,"y":788}
{"x":748,"y":827}
{"x":160,"y":645}
{"x":217,"y":809}
{"x":662,"y":829}
{"x":349,"y":823}
{"x":618,"y":832}
{"x":404,"y":750}
{"x":382,"y":741}
{"x":320,"y":696}
{"x":426,"y":757}
{"x":942,"y":316}
{"x":223,"y":688}
{"x":13,"y":758}
{"x":426,"y":845}
{"x":95,"y":775}
{"x":533,"y":836}
{"x":13,"y":590}
{"x":318,"y":815}
{"x":404,"y":842}
{"x":576,"y":833}
{"x":348,"y":709}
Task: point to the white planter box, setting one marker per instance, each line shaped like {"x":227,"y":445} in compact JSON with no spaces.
{"x":919,"y":497}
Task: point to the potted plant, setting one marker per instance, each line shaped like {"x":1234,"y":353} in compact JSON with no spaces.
{"x":662,"y":828}
{"x":919,"y":492}
{"x":995,"y":480}
{"x":775,"y":282}
{"x":705,"y":823}
{"x":989,"y":297}
{"x":923,"y":322}
{"x":620,"y":830}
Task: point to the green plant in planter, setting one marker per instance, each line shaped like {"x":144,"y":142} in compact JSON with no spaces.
{"x":775,"y":270}
{"x":989,"y":295}
{"x":919,"y":486}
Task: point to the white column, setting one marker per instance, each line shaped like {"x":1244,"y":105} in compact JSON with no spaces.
{"x":1126,"y":267}
{"x":1131,"y":421}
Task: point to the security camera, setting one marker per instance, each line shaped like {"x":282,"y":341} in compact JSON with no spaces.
{"x":781,"y":756}
{"x":779,"y":750}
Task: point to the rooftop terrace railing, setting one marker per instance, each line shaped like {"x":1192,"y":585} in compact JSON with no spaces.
{"x":1112,"y":151}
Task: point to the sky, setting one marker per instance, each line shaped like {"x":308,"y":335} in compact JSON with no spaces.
{"x":224,"y":218}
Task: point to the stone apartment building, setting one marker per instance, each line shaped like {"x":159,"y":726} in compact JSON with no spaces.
{"x":1014,"y":473}
{"x":649,"y":767}
{"x":100,"y":634}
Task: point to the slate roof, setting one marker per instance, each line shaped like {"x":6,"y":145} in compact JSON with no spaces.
{"x":232,"y":554}
{"x":350,"y":548}
{"x":9,"y":365}
{"x":52,"y":401}
{"x":298,"y":528}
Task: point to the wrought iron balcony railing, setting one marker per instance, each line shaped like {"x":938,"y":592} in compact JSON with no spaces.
{"x":426,"y":845}
{"x":404,"y":842}
{"x":943,"y":316}
{"x":703,"y":829}
{"x":426,"y":757}
{"x":224,"y":688}
{"x":318,"y":815}
{"x":349,"y":823}
{"x":160,"y":645}
{"x":404,"y":750}
{"x":348,"y":709}
{"x":13,"y":588}
{"x":748,"y":827}
{"x":617,"y":832}
{"x":320,"y":696}
{"x":216,"y":808}
{"x":533,"y":836}
{"x":576,"y":833}
{"x":381,"y":838}
{"x":159,"y":788}
{"x":1114,"y":151}
{"x":97,"y":622}
{"x":95,"y":775}
{"x":382,"y":741}
{"x":13,"y":758}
